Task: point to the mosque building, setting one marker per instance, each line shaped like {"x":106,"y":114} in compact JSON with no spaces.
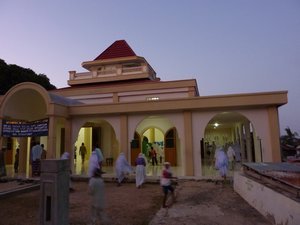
{"x":121,"y":105}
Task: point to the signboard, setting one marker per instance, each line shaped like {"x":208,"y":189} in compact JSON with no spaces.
{"x":25,"y":129}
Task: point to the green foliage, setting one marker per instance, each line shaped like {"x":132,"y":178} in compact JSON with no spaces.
{"x":11,"y":75}
{"x":290,"y":138}
{"x":145,"y":146}
{"x":288,"y":144}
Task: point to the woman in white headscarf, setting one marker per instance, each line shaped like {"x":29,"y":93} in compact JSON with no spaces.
{"x":140,"y":171}
{"x":122,"y":168}
{"x":66,"y":156}
{"x":93,"y":164}
{"x":221,"y":162}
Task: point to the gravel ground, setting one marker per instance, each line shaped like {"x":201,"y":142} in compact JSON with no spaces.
{"x":198,"y":202}
{"x":208,"y":203}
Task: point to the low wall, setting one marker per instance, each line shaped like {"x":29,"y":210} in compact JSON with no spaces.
{"x":276,"y":207}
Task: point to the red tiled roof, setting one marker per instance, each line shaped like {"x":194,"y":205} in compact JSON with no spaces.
{"x":118,"y":49}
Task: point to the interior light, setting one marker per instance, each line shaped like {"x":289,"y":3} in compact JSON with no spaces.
{"x":152,"y":98}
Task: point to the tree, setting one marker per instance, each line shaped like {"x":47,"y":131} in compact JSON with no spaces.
{"x":290,"y":138}
{"x":288,"y":143}
{"x":11,"y":75}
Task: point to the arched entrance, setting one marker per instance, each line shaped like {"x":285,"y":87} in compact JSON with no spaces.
{"x":23,"y":105}
{"x":157,"y":132}
{"x":94,"y":132}
{"x":229,"y":129}
{"x":153,"y":137}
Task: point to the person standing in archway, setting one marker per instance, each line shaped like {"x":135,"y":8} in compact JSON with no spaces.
{"x":36,"y":159}
{"x":44,"y":152}
{"x":153,"y":156}
{"x":2,"y":163}
{"x":82,"y":152}
{"x":16,"y":163}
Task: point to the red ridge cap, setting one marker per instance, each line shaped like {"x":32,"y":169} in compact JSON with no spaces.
{"x":117,"y":49}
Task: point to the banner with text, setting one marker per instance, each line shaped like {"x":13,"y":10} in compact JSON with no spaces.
{"x":25,"y":129}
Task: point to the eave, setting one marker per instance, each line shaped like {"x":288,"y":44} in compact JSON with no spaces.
{"x":221,"y":102}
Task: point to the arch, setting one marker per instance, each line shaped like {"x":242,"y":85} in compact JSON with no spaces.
{"x":155,"y":139}
{"x":160,"y":121}
{"x":163,"y":125}
{"x":19,"y":101}
{"x":92,"y":131}
{"x":230,"y":128}
{"x":25,"y":101}
{"x":149,"y":127}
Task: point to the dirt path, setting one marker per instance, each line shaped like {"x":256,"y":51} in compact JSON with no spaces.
{"x":198,"y":203}
{"x":125,"y":205}
{"x":207,"y":203}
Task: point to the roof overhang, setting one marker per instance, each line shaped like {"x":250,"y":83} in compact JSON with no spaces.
{"x":220,"y":102}
{"x":90,"y":64}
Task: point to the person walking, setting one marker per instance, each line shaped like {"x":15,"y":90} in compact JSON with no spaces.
{"x":99,"y":155}
{"x":82,"y":152}
{"x":221,"y":162}
{"x":237,"y":150}
{"x":166,"y":184}
{"x":96,"y":190}
{"x":123,"y":168}
{"x":140,"y":170}
{"x":231,"y":157}
{"x":66,"y":156}
{"x":153,"y":156}
{"x":36,"y":152}
{"x":93,"y":164}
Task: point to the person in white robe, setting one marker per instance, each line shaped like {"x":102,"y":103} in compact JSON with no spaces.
{"x":97,"y":191}
{"x":237,"y":150}
{"x":66,"y":156}
{"x":93,"y":164}
{"x":221,"y":162}
{"x":231,"y":157}
{"x":99,"y":155}
{"x":123,"y":168}
{"x":140,"y":170}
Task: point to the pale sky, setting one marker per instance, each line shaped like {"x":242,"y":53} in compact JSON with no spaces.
{"x":232,"y":46}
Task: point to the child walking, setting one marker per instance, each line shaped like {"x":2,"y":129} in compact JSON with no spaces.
{"x":165,"y":182}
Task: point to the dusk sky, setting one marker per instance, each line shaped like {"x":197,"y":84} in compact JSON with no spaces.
{"x":228,"y":46}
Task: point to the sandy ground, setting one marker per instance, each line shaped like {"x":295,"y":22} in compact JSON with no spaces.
{"x":207,"y":203}
{"x":198,"y":202}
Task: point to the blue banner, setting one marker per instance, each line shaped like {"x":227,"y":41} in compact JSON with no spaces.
{"x":25,"y":129}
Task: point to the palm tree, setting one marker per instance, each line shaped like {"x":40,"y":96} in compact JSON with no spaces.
{"x":288,"y":143}
{"x":290,"y":138}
